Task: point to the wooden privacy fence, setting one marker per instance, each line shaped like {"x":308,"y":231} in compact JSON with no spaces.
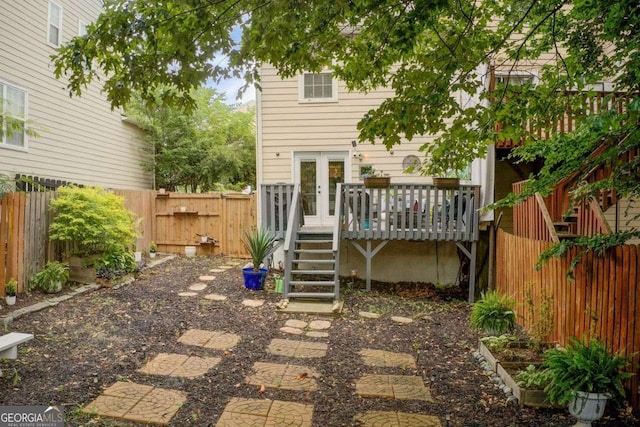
{"x":24,"y":226}
{"x":603,"y":301}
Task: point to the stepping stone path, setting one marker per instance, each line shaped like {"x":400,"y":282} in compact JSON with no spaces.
{"x":149,"y":404}
{"x":287,"y":377}
{"x":297,"y":327}
{"x":137,"y":402}
{"x":393,"y":387}
{"x":299,"y":349}
{"x":198,"y":287}
{"x":188,"y":294}
{"x":179,"y":365}
{"x":209,"y":339}
{"x":264,"y":412}
{"x":387,"y":359}
{"x":404,"y":320}
{"x":217,"y":270}
{"x":395,"y":419}
{"x":215,"y":297}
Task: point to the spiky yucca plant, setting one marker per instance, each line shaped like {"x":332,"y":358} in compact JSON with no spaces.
{"x":260,"y":244}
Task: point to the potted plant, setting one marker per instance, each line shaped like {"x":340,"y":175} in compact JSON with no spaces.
{"x":584,"y":375}
{"x":375,"y":179}
{"x":153,"y":249}
{"x":51,"y":278}
{"x":446,"y":166}
{"x":260,"y":243}
{"x":494,"y":313}
{"x":10,"y":290}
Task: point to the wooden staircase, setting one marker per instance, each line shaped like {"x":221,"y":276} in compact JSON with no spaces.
{"x":311,"y":270}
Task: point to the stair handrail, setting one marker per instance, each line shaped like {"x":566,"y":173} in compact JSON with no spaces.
{"x":295,"y":221}
{"x":547,"y":218}
{"x":337,"y":222}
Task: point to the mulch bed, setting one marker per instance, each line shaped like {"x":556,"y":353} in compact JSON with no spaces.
{"x":88,"y":343}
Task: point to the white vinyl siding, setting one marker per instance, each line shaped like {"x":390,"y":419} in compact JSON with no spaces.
{"x":13,"y":114}
{"x":318,"y":87}
{"x":77,"y":139}
{"x":54,"y":29}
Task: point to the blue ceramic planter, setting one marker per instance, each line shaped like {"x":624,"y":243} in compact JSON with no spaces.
{"x":254,"y":280}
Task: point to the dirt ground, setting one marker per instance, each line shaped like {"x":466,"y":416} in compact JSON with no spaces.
{"x":88,"y":343}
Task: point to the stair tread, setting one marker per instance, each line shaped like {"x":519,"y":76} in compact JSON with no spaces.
{"x":314,"y":261}
{"x":312,"y":282}
{"x":311,"y":295}
{"x":314,"y":251}
{"x":313,"y":271}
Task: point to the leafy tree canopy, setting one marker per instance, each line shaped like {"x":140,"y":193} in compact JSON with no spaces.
{"x":428,"y":51}
{"x":211,"y":147}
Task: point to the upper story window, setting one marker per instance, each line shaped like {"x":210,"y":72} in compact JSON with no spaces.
{"x":318,"y":87}
{"x":54,"y":30}
{"x":13,"y":114}
{"x":516,"y":78}
{"x":82,"y":28}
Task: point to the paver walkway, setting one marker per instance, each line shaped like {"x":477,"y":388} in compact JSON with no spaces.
{"x":148,"y":404}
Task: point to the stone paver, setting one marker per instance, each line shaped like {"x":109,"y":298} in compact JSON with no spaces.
{"x":369,"y":315}
{"x":387,"y":359}
{"x":294,"y":323}
{"x":206,"y":278}
{"x":187,"y":294}
{"x":225,"y":267}
{"x":319,"y":325}
{"x":301,"y":349}
{"x":198,"y":287}
{"x":393,"y":387}
{"x":292,"y":331}
{"x":395,"y":419}
{"x":253,"y":303}
{"x":403,"y":320}
{"x":179,"y":365}
{"x":265,"y":413}
{"x":287,"y":377}
{"x":215,"y":297}
{"x":317,"y":334}
{"x":137,"y":402}
{"x":209,"y":339}
{"x":217,"y":270}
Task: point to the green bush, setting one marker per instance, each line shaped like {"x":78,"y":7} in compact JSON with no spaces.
{"x":586,"y":366}
{"x":47,"y":279}
{"x":494,"y":313}
{"x":92,"y":221}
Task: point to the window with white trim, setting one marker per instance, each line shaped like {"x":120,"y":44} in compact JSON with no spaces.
{"x":82,"y":28}
{"x":318,"y":87}
{"x":13,"y":114}
{"x":54,"y":29}
{"x":516,"y":78}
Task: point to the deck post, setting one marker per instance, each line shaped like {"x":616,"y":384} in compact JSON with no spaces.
{"x":368,"y":254}
{"x":472,"y":272}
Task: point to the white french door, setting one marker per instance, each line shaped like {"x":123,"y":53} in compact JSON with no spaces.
{"x":318,"y":174}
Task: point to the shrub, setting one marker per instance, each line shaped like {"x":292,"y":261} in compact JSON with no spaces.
{"x":92,"y":221}
{"x":494,"y":313}
{"x":47,"y":279}
{"x":586,"y":366}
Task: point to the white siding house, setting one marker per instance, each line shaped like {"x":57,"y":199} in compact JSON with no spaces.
{"x":307,"y":133}
{"x":78,"y":139}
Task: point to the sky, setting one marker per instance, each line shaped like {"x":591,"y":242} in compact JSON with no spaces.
{"x":229,"y":87}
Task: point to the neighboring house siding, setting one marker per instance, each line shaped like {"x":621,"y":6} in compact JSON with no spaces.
{"x":288,"y":125}
{"x":623,"y":217}
{"x":79,"y":139}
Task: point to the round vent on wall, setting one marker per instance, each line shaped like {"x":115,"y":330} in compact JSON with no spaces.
{"x":411,"y":161}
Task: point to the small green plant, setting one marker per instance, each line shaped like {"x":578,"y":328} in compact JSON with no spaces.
{"x":50,"y":278}
{"x":153,"y":247}
{"x":498,"y":343}
{"x":91,"y":221}
{"x":541,"y":317}
{"x":116,"y":264}
{"x":533,"y":378}
{"x":11,"y":287}
{"x":494,"y":313}
{"x":260,"y":244}
{"x":586,"y":366}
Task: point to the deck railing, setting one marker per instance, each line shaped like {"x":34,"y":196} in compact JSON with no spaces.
{"x":276,"y":202}
{"x":410,"y":212}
